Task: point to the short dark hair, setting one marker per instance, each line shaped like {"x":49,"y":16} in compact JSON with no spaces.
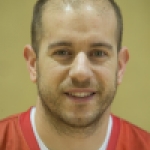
{"x":119,"y":23}
{"x":36,"y":26}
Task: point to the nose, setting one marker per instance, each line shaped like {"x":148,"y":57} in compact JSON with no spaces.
{"x":81,"y":69}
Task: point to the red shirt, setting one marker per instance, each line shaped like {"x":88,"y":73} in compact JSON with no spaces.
{"x":16,"y":134}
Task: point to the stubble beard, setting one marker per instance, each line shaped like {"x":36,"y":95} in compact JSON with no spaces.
{"x":61,"y":123}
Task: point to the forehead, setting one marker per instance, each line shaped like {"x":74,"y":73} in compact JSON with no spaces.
{"x":101,"y":8}
{"x":83,"y":19}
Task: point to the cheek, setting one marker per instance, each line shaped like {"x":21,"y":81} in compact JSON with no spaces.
{"x":52,"y":73}
{"x":106,"y":75}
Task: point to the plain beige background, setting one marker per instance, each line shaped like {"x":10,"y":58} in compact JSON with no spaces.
{"x":17,"y":93}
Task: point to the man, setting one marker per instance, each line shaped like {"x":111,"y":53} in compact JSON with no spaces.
{"x":77,"y":62}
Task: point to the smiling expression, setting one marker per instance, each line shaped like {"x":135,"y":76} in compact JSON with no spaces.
{"x":77,"y":65}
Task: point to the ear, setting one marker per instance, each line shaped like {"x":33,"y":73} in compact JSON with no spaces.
{"x":30,"y":58}
{"x":123,"y":57}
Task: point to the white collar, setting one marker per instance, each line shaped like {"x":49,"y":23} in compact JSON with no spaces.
{"x":42,"y":145}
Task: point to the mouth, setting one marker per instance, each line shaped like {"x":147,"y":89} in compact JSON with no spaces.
{"x":80,"y":96}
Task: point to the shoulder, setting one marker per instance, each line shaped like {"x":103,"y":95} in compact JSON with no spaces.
{"x":13,"y":122}
{"x":8,"y":126}
{"x":8,"y":131}
{"x":9,"y":121}
{"x":132,"y":136}
{"x":11,"y":136}
{"x":134,"y":130}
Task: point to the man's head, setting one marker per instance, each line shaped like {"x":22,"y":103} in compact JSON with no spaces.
{"x":41,"y":5}
{"x":78,"y":66}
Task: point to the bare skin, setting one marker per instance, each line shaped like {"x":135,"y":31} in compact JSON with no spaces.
{"x":76,"y":81}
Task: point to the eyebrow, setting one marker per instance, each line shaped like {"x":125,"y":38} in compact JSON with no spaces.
{"x":102,"y":44}
{"x":60,"y":43}
{"x":65,"y":43}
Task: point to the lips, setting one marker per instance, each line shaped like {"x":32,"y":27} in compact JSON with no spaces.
{"x":80,"y":94}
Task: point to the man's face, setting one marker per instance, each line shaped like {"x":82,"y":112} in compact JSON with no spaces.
{"x":77,"y":64}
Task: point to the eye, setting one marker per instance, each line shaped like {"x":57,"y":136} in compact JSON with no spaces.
{"x":98,"y":53}
{"x":62,"y":52}
{"x":62,"y":55}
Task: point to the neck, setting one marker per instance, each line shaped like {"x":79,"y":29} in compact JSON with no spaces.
{"x":51,"y":132}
